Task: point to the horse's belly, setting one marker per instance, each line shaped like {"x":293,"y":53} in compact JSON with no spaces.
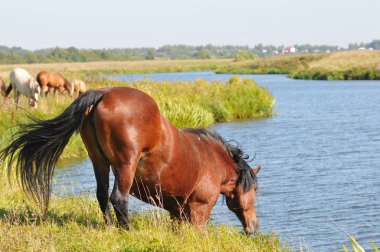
{"x":163,"y":179}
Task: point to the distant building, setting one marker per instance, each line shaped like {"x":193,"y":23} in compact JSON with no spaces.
{"x":362,"y":48}
{"x":289,"y":49}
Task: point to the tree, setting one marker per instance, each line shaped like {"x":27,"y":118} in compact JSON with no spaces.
{"x":151,"y":54}
{"x":245,"y":55}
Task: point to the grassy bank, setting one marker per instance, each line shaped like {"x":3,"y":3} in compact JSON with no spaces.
{"x":356,"y":65}
{"x":76,"y":224}
{"x":192,"y":104}
{"x":353,"y":65}
{"x":281,"y":64}
{"x":349,"y":65}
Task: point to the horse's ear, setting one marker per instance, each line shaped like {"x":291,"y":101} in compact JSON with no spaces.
{"x":256,"y":169}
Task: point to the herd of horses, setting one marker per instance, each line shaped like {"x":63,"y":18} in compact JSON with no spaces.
{"x":183,"y":170}
{"x":22,"y":83}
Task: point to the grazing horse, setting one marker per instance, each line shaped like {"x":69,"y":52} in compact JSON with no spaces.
{"x":53,"y":81}
{"x":78,"y":86}
{"x":3,"y":88}
{"x":181,"y":170}
{"x":23,"y":83}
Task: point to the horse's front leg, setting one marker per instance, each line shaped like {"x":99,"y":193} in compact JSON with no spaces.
{"x":199,"y":213}
{"x":124,"y":172}
{"x":49,"y":90}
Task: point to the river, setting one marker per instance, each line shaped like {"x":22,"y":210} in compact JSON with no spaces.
{"x":320,"y":158}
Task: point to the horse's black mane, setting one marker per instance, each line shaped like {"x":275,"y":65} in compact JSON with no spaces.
{"x":246,"y":179}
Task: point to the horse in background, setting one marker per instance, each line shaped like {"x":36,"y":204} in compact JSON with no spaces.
{"x":51,"y":82}
{"x":3,"y":89}
{"x":23,"y":83}
{"x":78,"y":86}
{"x":181,"y":170}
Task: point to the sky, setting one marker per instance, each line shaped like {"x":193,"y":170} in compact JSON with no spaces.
{"x":153,"y":23}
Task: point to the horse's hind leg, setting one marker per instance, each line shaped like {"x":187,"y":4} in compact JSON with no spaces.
{"x":101,"y":169}
{"x":124,"y":171}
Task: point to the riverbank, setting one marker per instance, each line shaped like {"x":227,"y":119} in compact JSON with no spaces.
{"x":87,"y":70}
{"x":352,"y":65}
{"x":347,"y":65}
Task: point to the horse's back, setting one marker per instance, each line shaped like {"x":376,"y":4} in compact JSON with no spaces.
{"x":49,"y":78}
{"x":79,"y":86}
{"x":19,"y":74}
{"x":127,"y":118}
{"x":41,"y":76}
{"x":20,"y":79}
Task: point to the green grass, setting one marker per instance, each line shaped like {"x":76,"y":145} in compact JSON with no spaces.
{"x":354,"y":65}
{"x":76,"y":224}
{"x":356,"y":247}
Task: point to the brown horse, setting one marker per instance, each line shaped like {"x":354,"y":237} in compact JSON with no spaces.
{"x":3,"y":88}
{"x":181,"y":170}
{"x":51,"y":82}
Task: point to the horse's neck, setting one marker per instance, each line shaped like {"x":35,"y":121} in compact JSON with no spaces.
{"x":228,"y":174}
{"x":228,"y":182}
{"x":222,"y":161}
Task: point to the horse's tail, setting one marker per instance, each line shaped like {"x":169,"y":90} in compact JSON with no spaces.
{"x":37,"y":146}
{"x":9,"y":89}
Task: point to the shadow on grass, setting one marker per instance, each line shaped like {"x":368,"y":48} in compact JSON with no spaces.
{"x":24,"y":216}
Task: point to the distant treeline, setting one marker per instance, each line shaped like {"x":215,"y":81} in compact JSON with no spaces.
{"x":17,"y":55}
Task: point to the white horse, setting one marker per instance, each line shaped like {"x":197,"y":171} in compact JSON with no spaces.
{"x":78,"y":86}
{"x":23,"y":83}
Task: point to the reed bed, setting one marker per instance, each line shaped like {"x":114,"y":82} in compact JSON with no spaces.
{"x":355,"y":65}
{"x":280,"y":64}
{"x":352,"y":65}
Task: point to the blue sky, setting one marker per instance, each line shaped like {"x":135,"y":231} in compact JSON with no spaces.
{"x":142,"y":23}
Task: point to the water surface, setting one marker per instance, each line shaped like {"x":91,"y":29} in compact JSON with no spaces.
{"x":320,"y":158}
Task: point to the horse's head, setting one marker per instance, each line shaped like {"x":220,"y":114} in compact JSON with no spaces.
{"x":241,"y":200}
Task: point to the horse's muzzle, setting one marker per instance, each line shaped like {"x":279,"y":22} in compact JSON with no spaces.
{"x":253,"y":228}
